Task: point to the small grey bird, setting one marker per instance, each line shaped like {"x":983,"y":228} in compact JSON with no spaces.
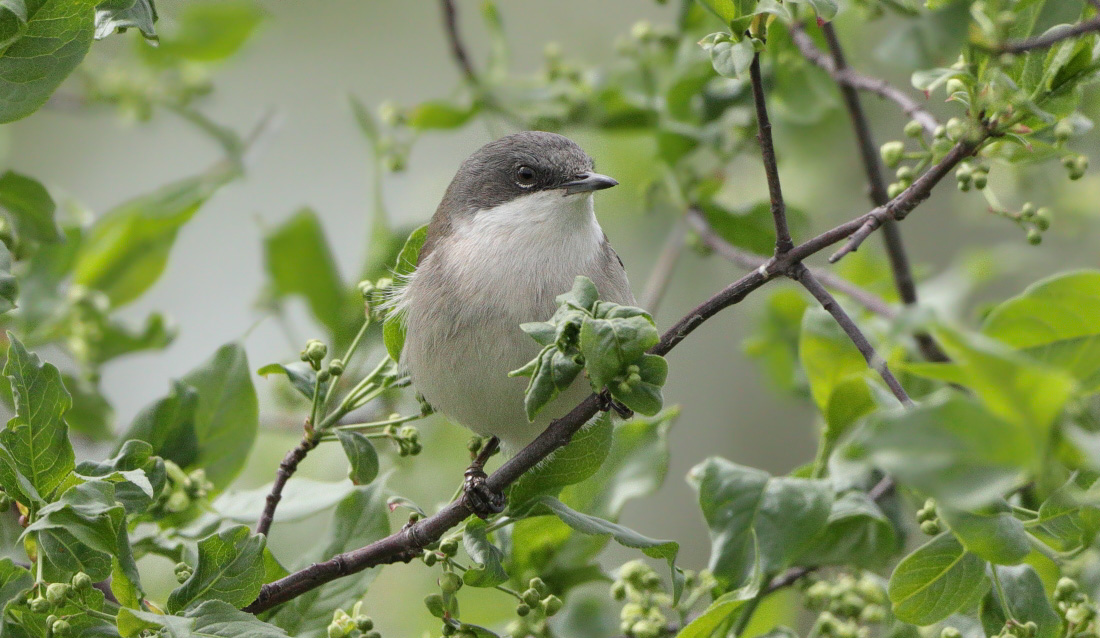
{"x":514,"y":229}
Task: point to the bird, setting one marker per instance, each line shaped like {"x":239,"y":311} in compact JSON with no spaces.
{"x":514,"y":229}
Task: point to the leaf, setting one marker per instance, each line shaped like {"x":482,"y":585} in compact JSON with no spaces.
{"x":488,"y":572}
{"x":361,"y":455}
{"x":114,"y":16}
{"x":300,"y":374}
{"x":717,"y":618}
{"x":1069,"y":519}
{"x":138,"y":476}
{"x":211,"y":619}
{"x":438,"y":114}
{"x":755,"y":519}
{"x":935,"y":581}
{"x":359,"y":519}
{"x":14,"y":581}
{"x":301,"y":499}
{"x":1052,"y":322}
{"x":586,"y":524}
{"x":230,"y":569}
{"x":125,"y":251}
{"x":13,"y":21}
{"x":9,"y":286}
{"x":299,"y":262}
{"x":857,"y":533}
{"x":774,"y":344}
{"x":993,"y":533}
{"x":168,"y":425}
{"x":36,"y":437}
{"x":30,"y":206}
{"x":825,"y":9}
{"x":117,"y":339}
{"x":730,"y":58}
{"x":950,"y":448}
{"x":551,"y":372}
{"x":836,"y":371}
{"x":208,"y":32}
{"x":55,"y":39}
{"x":393,"y":331}
{"x":644,"y":396}
{"x":565,"y":466}
{"x":1027,"y":599}
{"x":610,"y":345}
{"x":750,"y":227}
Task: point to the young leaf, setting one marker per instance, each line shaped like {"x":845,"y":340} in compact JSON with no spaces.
{"x":717,"y":619}
{"x":1070,"y":517}
{"x":230,"y":568}
{"x":935,"y":581}
{"x":207,"y":32}
{"x":1026,"y":598}
{"x":438,"y":114}
{"x":361,"y":455}
{"x":993,"y":533}
{"x":119,"y":15}
{"x":611,"y":344}
{"x":36,"y":437}
{"x":212,"y":618}
{"x":488,"y":572}
{"x":565,"y":466}
{"x":300,"y":374}
{"x":644,"y":394}
{"x":302,"y":498}
{"x":138,"y":476}
{"x":30,"y":206}
{"x":857,"y":533}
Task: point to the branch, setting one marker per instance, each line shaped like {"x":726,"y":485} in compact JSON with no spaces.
{"x":458,"y":49}
{"x":865,"y":141}
{"x":783,"y":241}
{"x":911,"y":197}
{"x":657,"y":284}
{"x":1051,"y":38}
{"x":856,"y":80}
{"x":287,"y":468}
{"x":750,"y":261}
{"x":802,"y":274}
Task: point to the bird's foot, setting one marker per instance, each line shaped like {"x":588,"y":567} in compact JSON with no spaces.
{"x":606,"y":403}
{"x":477,"y":495}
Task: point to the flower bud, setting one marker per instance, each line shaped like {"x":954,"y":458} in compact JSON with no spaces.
{"x":364,"y":623}
{"x":956,"y":129}
{"x":895,"y":189}
{"x":913,"y":129}
{"x":1065,"y":589}
{"x":183,"y":571}
{"x":450,"y":582}
{"x":538,"y":585}
{"x":336,"y":367}
{"x":892,"y":153}
{"x":1034,"y":236}
{"x":980,"y":180}
{"x":1063,"y":130}
{"x":40,"y":605}
{"x":950,"y":632}
{"x":324,"y":375}
{"x":905,"y":174}
{"x":1042,"y":218}
{"x":82,"y":581}
{"x":940,"y":132}
{"x":314,"y":351}
{"x":522,"y":610}
{"x":551,"y":605}
{"x":449,"y":547}
{"x":61,"y":628}
{"x":429,"y":557}
{"x":56,"y":593}
{"x":930,"y":527}
{"x":531,"y":597}
{"x":618,"y":590}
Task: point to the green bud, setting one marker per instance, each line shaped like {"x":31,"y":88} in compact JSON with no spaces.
{"x":82,"y":581}
{"x":963,"y":186}
{"x":1028,"y":210}
{"x":366,"y":288}
{"x":980,"y":181}
{"x":645,"y":629}
{"x":1065,"y":589}
{"x":314,"y":352}
{"x":955,"y":85}
{"x":1034,"y":236}
{"x":324,"y":375}
{"x":1063,"y":130}
{"x":956,"y":129}
{"x":872,"y":614}
{"x":651,"y":581}
{"x":51,"y":619}
{"x":940,"y":132}
{"x":429,"y":557}
{"x":914,"y":129}
{"x":1006,"y":19}
{"x":941,"y":147}
{"x":895,"y":189}
{"x":930,"y":527}
{"x":618,"y":590}
{"x":449,"y":547}
{"x":61,"y":628}
{"x":449,"y":629}
{"x":1042,"y":218}
{"x":1078,"y":614}
{"x":641,"y":30}
{"x":531,"y":597}
{"x":40,"y":605}
{"x":336,"y":367}
{"x":950,"y":632}
{"x":433,"y":601}
{"x":364,"y":623}
{"x":538,"y":585}
{"x":522,"y":610}
{"x":905,"y":175}
{"x":1082,"y":163}
{"x":551,"y":605}
{"x":450,"y":582}
{"x":474,"y":444}
{"x":56,"y":593}
{"x":892,"y":153}
{"x":1031,"y":628}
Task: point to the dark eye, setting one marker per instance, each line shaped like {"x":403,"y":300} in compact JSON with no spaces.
{"x":525,"y":176}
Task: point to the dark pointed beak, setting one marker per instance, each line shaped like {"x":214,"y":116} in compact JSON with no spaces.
{"x":588,"y":182}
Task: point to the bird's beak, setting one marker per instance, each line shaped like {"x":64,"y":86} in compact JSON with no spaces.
{"x":588,"y":182}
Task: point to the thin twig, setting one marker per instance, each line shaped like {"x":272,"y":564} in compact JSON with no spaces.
{"x":783,"y":241}
{"x":659,"y":278}
{"x":911,"y":197}
{"x":872,"y":166}
{"x":458,"y":49}
{"x":751,"y":261}
{"x":856,"y":80}
{"x":1051,"y":37}
{"x":802,"y":275}
{"x":287,"y":468}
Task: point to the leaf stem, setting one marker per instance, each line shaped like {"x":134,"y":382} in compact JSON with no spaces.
{"x":1001,"y":594}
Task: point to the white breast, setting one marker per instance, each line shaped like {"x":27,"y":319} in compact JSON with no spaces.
{"x":499,"y":268}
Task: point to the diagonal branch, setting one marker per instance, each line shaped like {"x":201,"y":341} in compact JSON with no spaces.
{"x":783,"y":241}
{"x":1051,"y":38}
{"x":851,"y":78}
{"x":657,"y":284}
{"x":458,"y":49}
{"x":287,"y":467}
{"x":800,"y":273}
{"x":865,"y":141}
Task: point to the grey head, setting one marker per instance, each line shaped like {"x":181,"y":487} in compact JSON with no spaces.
{"x":511,"y":167}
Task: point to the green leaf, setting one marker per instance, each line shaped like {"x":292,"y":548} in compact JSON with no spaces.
{"x":209,"y":31}
{"x":757,"y":520}
{"x":993,"y":533}
{"x":361,"y":455}
{"x":13,"y":21}
{"x":857,"y":533}
{"x":117,"y":339}
{"x":730,"y":58}
{"x":168,"y":424}
{"x":611,"y":344}
{"x":488,"y":572}
{"x":565,"y":466}
{"x":825,"y":9}
{"x":393,"y":331}
{"x":126,"y":250}
{"x":774,"y":344}
{"x":230,"y":569}
{"x":438,"y":114}
{"x":551,"y":372}
{"x":935,"y":581}
{"x":64,"y":555}
{"x":751,"y":227}
{"x":1050,"y":321}
{"x":55,"y":39}
{"x":950,"y":448}
{"x":30,"y":206}
{"x":37,"y":437}
{"x":9,"y":286}
{"x":14,"y":581}
{"x":1027,"y":600}
{"x":299,"y":262}
{"x":361,"y":518}
{"x":717,"y":619}
{"x":118,"y":15}
{"x":137,"y":474}
{"x":1070,"y":517}
{"x":302,"y":498}
{"x":586,"y":524}
{"x":211,"y":619}
{"x":836,"y":371}
{"x":300,"y":374}
{"x":643,"y":396}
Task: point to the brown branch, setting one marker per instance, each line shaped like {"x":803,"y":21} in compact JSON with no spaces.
{"x":657,"y":284}
{"x":783,"y":241}
{"x":1050,"y":38}
{"x":851,"y":78}
{"x":751,"y":261}
{"x":872,"y":166}
{"x":287,"y":468}
{"x":458,"y":49}
{"x":800,"y":273}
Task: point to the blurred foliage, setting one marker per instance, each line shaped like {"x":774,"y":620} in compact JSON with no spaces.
{"x":998,"y":463}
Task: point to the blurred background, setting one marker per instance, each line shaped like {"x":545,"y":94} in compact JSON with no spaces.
{"x":303,"y":62}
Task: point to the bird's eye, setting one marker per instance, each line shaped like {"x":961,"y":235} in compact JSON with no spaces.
{"x":525,"y":176}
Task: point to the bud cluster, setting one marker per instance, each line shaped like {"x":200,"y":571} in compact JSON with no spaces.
{"x":1076,"y":608}
{"x":51,"y":598}
{"x":375,"y":294}
{"x":353,"y":625}
{"x":182,"y":489}
{"x":642,"y":589}
{"x":847,"y":604}
{"x":1076,"y":165}
{"x":928,"y":519}
{"x":536,"y":604}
